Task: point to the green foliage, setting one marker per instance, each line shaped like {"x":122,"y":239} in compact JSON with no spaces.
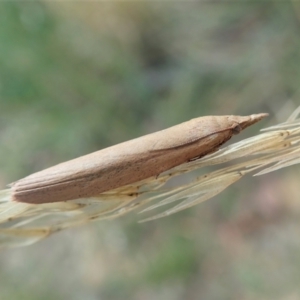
{"x":175,"y":259}
{"x":76,"y":77}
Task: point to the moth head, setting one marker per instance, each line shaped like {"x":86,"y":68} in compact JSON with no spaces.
{"x":242,"y":122}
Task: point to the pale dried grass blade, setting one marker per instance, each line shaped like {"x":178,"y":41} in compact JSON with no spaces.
{"x":277,"y":147}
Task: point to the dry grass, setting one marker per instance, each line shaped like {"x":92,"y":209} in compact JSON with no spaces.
{"x":277,"y":147}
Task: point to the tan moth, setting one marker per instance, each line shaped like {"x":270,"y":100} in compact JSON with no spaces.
{"x":131,"y":161}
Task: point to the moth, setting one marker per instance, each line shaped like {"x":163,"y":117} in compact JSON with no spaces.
{"x":130,"y":161}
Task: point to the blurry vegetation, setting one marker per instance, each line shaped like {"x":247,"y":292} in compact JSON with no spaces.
{"x":76,"y":77}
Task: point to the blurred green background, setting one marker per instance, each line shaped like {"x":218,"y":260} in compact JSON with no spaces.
{"x":77,"y":77}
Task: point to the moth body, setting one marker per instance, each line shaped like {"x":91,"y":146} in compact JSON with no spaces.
{"x":131,"y":161}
